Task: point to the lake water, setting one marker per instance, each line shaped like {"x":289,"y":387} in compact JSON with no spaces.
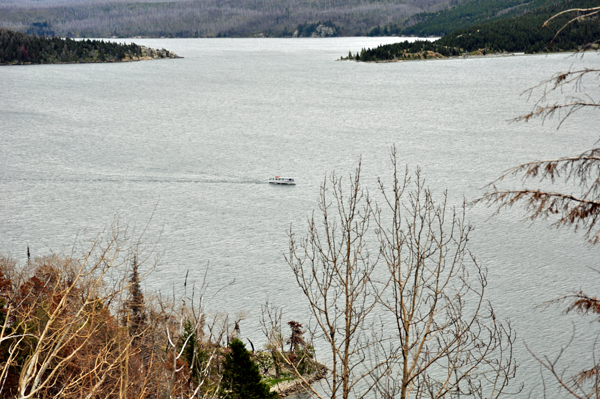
{"x":190,"y":144}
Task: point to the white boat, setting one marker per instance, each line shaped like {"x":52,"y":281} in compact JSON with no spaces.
{"x":282,"y":180}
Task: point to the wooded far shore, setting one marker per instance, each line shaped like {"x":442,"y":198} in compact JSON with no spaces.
{"x":18,"y":48}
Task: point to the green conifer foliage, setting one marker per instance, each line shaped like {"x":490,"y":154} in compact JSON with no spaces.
{"x":193,"y":353}
{"x":137,"y":313}
{"x":241,"y":379}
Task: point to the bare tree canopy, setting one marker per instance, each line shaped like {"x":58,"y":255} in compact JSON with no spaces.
{"x":397,"y":296}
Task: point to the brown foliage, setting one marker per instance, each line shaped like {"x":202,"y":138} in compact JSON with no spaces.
{"x":61,"y":333}
{"x":572,"y":80}
{"x":584,"y":304}
{"x":296,"y":340}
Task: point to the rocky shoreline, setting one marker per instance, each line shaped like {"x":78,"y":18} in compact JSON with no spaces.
{"x":436,"y":56}
{"x":153,"y":54}
{"x":297,"y":385}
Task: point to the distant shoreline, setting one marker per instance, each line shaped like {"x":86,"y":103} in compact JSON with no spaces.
{"x":148,"y":50}
{"x":493,"y":55}
{"x":465,"y":56}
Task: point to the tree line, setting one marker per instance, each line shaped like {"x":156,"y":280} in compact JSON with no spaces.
{"x":211,"y":18}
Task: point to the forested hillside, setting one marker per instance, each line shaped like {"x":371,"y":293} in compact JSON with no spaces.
{"x":19,"y":48}
{"x":207,"y":18}
{"x":519,"y":34}
{"x":472,"y":12}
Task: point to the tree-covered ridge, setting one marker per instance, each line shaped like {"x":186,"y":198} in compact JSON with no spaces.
{"x":519,"y":34}
{"x":527,"y":33}
{"x":472,"y":12}
{"x":206,"y":18}
{"x":20,"y":48}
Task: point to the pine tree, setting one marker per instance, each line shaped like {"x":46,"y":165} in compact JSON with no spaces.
{"x":137,"y":314}
{"x":241,"y":379}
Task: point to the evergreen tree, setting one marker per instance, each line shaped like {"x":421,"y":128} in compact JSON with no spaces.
{"x":137,"y":314}
{"x":241,"y":379}
{"x":193,"y":353}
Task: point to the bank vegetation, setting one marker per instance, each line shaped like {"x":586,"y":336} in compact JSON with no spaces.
{"x":80,"y":325}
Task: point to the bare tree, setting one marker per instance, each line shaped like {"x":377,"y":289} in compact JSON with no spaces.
{"x":271,"y":323}
{"x":575,"y":204}
{"x":334,"y":269}
{"x":447,"y":340}
{"x":411,"y":321}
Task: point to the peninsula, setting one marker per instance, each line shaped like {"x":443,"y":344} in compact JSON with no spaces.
{"x":18,"y":48}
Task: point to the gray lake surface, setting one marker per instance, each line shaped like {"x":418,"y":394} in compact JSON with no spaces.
{"x":185,"y":147}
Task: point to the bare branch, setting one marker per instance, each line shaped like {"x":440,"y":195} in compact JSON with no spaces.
{"x":584,"y":13}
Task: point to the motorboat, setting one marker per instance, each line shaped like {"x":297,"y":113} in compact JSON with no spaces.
{"x":282,"y":180}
